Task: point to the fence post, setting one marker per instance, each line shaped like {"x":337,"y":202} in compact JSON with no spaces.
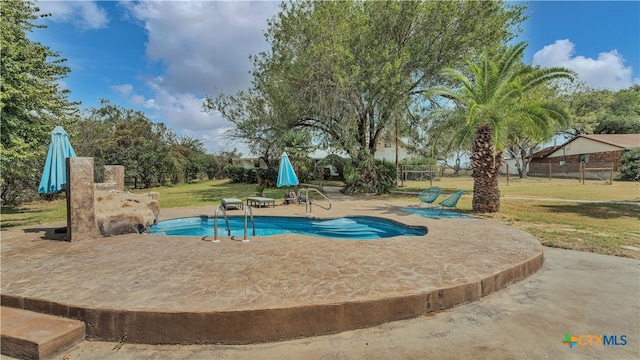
{"x":580,"y":173}
{"x":507,"y":174}
{"x":430,"y":175}
{"x":611,"y":175}
{"x":549,"y":171}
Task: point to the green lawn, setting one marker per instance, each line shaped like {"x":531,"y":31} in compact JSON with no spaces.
{"x":526,"y":204}
{"x":597,"y":227}
{"x":542,"y":188}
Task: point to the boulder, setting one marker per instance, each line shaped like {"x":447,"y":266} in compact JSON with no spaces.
{"x":120,"y":212}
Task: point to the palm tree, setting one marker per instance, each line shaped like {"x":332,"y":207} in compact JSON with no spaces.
{"x":492,"y":101}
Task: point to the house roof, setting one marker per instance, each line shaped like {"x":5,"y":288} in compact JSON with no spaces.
{"x":622,"y":141}
{"x":625,"y":141}
{"x":544,"y":152}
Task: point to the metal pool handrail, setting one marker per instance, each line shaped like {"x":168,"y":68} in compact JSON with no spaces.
{"x":215,"y":223}
{"x":248,"y":210}
{"x":308,"y":204}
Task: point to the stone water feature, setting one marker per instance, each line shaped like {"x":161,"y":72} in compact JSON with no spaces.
{"x":120,"y":212}
{"x":105,"y":209}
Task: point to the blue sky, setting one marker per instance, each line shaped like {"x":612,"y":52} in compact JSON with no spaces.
{"x":164,"y":57}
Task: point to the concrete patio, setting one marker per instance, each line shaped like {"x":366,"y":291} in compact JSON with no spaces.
{"x":184,"y":290}
{"x":575,"y":292}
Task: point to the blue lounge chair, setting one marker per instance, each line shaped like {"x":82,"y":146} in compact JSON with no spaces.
{"x":451,"y":200}
{"x":429,"y":195}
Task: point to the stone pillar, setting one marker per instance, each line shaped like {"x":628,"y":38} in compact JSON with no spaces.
{"x":81,"y":216}
{"x":114,"y":174}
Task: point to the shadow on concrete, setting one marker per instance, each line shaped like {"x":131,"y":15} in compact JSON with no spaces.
{"x":388,"y":209}
{"x":50,"y":233}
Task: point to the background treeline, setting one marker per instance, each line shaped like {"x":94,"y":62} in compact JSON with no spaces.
{"x":340,"y":76}
{"x":151,"y":153}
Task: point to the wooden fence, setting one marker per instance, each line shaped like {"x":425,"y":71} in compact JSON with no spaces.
{"x":417,"y":173}
{"x":580,"y":171}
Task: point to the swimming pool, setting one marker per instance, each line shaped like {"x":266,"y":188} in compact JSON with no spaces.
{"x":352,"y":228}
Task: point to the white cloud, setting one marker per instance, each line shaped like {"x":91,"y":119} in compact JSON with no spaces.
{"x":204,"y":45}
{"x":181,"y":112}
{"x":204,"y":48}
{"x":124,"y":89}
{"x":86,"y":15}
{"x":607,"y":71}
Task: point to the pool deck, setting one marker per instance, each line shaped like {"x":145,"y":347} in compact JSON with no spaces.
{"x":185,"y":290}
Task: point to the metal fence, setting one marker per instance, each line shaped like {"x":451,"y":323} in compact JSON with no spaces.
{"x":418,"y":172}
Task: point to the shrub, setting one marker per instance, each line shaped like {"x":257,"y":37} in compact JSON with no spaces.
{"x":387,"y":176}
{"x":239,"y":174}
{"x":268,"y":176}
{"x":305,"y":174}
{"x":212,"y":167}
{"x":367,"y":175}
{"x":234,"y":173}
{"x":630,"y":169}
{"x":250,"y":176}
{"x":260,"y":188}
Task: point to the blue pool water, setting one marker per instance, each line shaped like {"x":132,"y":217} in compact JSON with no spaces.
{"x":355,"y":228}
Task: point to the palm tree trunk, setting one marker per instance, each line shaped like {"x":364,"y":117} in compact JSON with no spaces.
{"x":486,"y":164}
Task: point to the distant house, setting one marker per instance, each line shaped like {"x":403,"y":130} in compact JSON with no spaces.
{"x":510,"y":163}
{"x":386,"y":149}
{"x":250,"y":161}
{"x":599,"y":150}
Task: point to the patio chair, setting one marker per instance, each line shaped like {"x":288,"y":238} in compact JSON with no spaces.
{"x":302,"y":199}
{"x":451,"y":200}
{"x":290,"y":197}
{"x":429,"y":195}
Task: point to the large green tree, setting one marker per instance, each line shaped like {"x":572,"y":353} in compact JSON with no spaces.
{"x":605,"y":111}
{"x":257,"y":120}
{"x":492,"y":98}
{"x":350,"y":70}
{"x":32,"y":102}
{"x":150,"y":152}
{"x":193,"y":150}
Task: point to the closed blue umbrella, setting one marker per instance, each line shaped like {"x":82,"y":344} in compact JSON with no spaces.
{"x":286,"y":174}
{"x":55,"y":168}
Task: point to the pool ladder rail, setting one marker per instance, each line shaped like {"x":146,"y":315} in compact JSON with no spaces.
{"x":248,"y":213}
{"x":248,"y":210}
{"x":309,"y":204}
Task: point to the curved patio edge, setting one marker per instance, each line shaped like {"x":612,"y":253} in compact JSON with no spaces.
{"x":271,"y":324}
